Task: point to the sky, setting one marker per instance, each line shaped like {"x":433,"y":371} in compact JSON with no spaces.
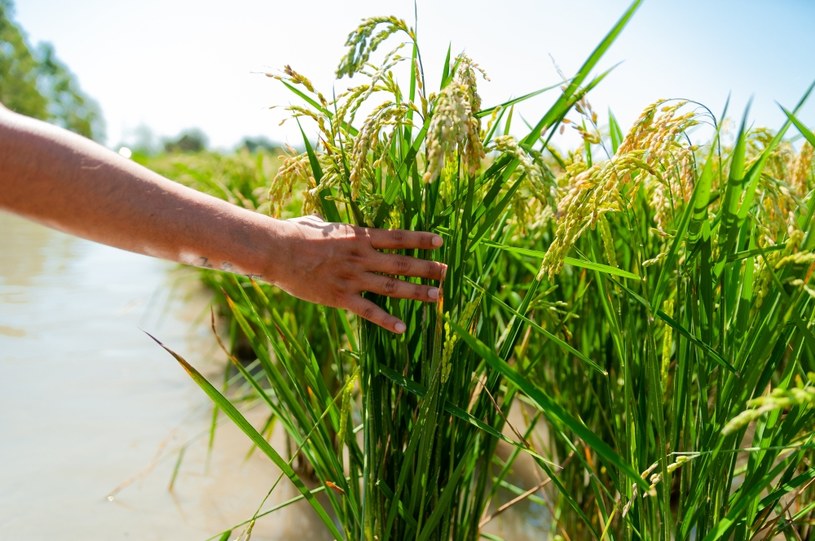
{"x":174,"y":65}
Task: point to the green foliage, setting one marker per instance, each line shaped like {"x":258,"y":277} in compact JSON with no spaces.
{"x":420,"y":162}
{"x":259,"y":143}
{"x":36,"y":83}
{"x":18,"y":86}
{"x":646,"y":304}
{"x":242,"y":178}
{"x":427,"y":406}
{"x":189,"y":141}
{"x":722,"y":312}
{"x":68,"y":105}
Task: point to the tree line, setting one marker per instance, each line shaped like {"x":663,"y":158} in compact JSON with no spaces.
{"x":35,"y":82}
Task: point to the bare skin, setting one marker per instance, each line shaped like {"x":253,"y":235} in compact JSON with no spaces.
{"x":70,"y":183}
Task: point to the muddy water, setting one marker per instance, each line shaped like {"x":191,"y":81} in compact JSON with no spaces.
{"x":94,"y":415}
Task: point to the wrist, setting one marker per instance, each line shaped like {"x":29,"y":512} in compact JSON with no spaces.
{"x":268,"y":252}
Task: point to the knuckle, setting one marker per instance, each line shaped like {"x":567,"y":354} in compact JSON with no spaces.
{"x":368,"y":312}
{"x":390,"y":286}
{"x":398,"y":235}
{"x":403,"y":265}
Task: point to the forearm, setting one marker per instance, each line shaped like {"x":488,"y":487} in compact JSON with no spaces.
{"x":75,"y":185}
{"x":69,"y":183}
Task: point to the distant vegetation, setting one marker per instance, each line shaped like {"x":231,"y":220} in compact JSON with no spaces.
{"x":190,"y":140}
{"x":35,"y":82}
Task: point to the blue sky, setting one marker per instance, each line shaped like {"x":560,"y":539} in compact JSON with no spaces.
{"x":182,"y":64}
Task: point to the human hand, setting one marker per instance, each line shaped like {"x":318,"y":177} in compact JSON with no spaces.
{"x":333,"y":264}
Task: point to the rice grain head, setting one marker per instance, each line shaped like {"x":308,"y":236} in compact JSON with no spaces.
{"x":653,"y":154}
{"x":381,"y":122}
{"x":454,"y":128}
{"x":802,"y":395}
{"x":801,"y":176}
{"x":365,"y":39}
{"x":294,"y":169}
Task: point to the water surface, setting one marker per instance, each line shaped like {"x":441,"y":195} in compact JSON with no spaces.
{"x":93,"y":414}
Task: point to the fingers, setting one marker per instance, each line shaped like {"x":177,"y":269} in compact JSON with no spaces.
{"x":383,"y":267}
{"x":354,"y":263}
{"x":402,"y":265}
{"x":399,"y":239}
{"x":380,"y":279}
{"x":373,"y":313}
{"x":392,"y":287}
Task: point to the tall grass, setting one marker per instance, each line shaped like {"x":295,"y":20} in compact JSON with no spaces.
{"x":709,"y":346}
{"x":431,"y":408}
{"x":646,"y":303}
{"x":718,"y":312}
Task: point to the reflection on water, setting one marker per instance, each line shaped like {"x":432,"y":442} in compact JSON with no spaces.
{"x":94,"y":415}
{"x":29,"y":253}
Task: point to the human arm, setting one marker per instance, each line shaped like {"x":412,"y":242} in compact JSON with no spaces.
{"x":70,"y":183}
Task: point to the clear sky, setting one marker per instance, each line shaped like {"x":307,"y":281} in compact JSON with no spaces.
{"x":181,"y":64}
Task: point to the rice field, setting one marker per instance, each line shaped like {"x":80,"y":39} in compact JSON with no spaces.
{"x":635,"y":317}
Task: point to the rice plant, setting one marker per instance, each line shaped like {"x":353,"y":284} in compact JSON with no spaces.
{"x":646,"y":302}
{"x":707,"y":340}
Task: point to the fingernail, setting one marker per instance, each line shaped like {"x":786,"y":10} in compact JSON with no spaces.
{"x":400,"y":327}
{"x":433,"y":293}
{"x":437,"y":241}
